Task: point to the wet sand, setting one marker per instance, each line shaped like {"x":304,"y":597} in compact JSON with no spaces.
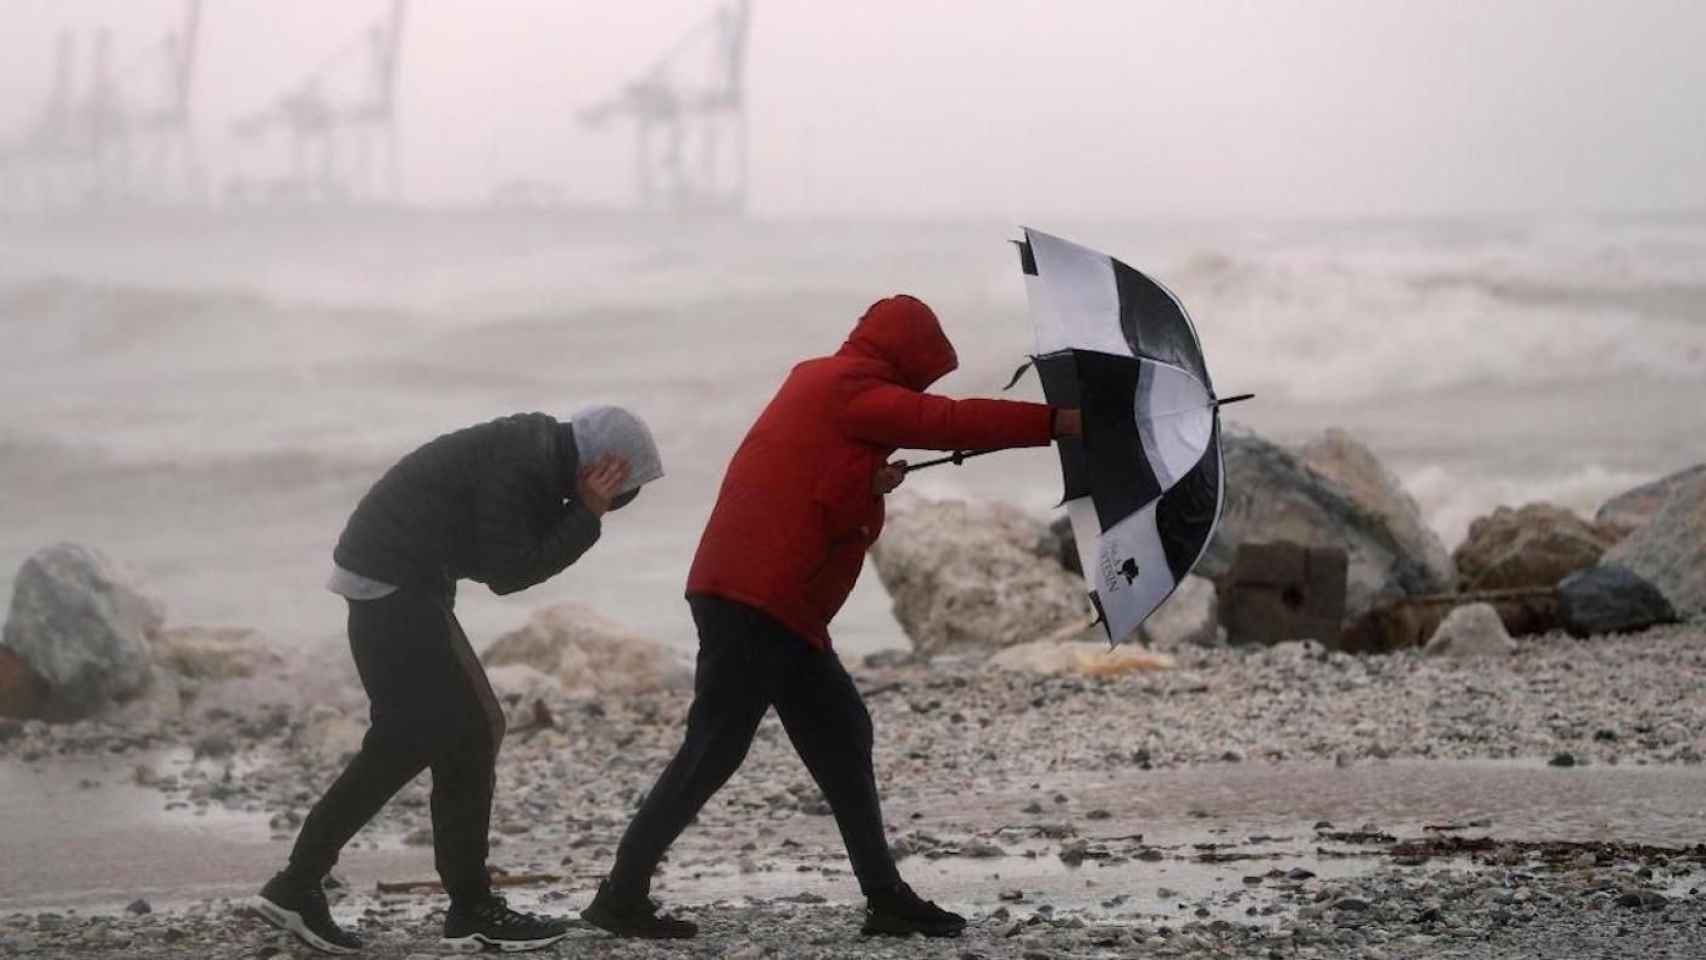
{"x":1318,"y":805}
{"x":80,"y":837}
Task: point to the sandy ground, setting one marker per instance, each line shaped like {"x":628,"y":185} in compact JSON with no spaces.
{"x":1276,"y":803}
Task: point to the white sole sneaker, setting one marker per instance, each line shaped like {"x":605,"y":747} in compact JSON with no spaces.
{"x":479,"y":942}
{"x":291,"y":922}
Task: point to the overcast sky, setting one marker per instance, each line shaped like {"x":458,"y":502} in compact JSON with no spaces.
{"x":1008,"y":108}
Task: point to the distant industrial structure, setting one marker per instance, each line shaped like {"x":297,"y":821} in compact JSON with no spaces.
{"x":332,"y":146}
{"x":97,"y":147}
{"x":331,"y":138}
{"x":689,"y":116}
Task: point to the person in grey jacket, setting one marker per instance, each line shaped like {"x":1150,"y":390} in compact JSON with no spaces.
{"x":510,"y":504}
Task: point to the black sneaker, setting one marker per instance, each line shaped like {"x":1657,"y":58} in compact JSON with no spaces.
{"x":636,"y":917}
{"x":299,"y":907}
{"x":491,"y":923}
{"x":897,"y":912}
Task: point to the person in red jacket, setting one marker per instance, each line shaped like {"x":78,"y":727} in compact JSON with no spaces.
{"x":800,"y":505}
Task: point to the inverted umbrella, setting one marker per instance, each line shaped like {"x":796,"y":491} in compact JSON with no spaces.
{"x":1144,"y":484}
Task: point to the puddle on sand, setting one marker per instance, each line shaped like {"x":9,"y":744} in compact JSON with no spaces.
{"x":1514,"y":800}
{"x":1266,"y":817}
{"x":1106,"y":885}
{"x":80,"y":833}
{"x":66,"y":844}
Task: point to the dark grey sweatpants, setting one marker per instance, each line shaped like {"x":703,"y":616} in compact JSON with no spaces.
{"x":431,"y":707}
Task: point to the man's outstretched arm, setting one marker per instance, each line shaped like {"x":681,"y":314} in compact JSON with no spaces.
{"x":892,"y":416}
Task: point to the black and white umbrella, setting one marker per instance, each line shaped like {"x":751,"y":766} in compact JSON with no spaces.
{"x":1144,"y":485}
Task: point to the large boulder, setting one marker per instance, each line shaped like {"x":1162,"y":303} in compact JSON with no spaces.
{"x":519,"y":683}
{"x":972,"y":577}
{"x":214,"y":654}
{"x":1188,"y":618}
{"x":1272,"y":495}
{"x":1340,"y":457}
{"x":1670,"y":551}
{"x":1629,"y":511}
{"x":328,"y":734}
{"x":1058,"y":542}
{"x":82,"y":629}
{"x":1534,"y":546}
{"x":1472,"y":630}
{"x":1610,"y":598}
{"x":588,"y":654}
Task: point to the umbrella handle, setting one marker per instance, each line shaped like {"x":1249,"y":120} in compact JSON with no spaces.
{"x":956,"y":458}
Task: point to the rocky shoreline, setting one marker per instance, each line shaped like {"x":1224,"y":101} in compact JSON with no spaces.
{"x":989,"y":769}
{"x":1451,"y":791}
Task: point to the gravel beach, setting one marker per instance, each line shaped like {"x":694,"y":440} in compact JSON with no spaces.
{"x":1283,"y":802}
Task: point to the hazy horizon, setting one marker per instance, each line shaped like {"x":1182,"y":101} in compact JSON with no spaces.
{"x":1009,"y":111}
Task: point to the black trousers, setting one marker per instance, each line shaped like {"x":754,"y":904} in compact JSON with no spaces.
{"x":747,"y":664}
{"x":430,"y":707}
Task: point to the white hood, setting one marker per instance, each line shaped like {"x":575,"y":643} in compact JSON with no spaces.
{"x":602,"y":430}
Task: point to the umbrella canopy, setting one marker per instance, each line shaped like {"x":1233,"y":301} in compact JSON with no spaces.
{"x":1144,"y":484}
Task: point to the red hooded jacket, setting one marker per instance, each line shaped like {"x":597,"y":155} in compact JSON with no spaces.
{"x":797,"y":510}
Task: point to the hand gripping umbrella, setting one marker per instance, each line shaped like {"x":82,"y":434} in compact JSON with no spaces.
{"x":1144,"y":484}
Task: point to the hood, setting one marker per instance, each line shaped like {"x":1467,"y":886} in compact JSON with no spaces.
{"x":902,"y":332}
{"x":601,"y":430}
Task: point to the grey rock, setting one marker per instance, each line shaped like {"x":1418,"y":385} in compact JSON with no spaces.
{"x":1189,"y":617}
{"x":1610,"y":598}
{"x":83,"y":628}
{"x":1670,"y":552}
{"x":214,"y":654}
{"x":1342,"y":458}
{"x":1631,"y":510}
{"x":1642,"y":900}
{"x":1472,"y":630}
{"x":1272,"y":495}
{"x":585,"y":652}
{"x":1074,"y":853}
{"x":966,"y":577}
{"x":214,"y":746}
{"x":1058,"y":542}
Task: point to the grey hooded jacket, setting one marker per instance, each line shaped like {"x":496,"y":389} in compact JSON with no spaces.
{"x":493,"y":503}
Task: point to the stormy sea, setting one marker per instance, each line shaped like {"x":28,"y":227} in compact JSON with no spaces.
{"x":204,"y":399}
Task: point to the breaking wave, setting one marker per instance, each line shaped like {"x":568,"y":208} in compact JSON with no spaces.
{"x":211,"y":408}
